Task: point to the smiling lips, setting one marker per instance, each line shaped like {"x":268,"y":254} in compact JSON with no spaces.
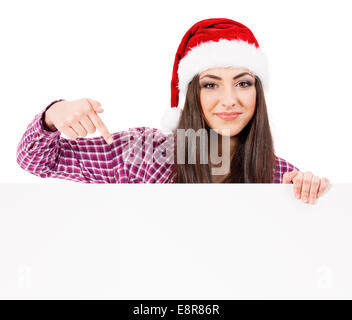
{"x":228,"y":115}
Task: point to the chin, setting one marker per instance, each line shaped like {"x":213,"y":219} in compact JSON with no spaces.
{"x":229,"y":132}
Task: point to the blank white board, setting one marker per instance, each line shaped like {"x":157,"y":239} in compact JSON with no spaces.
{"x":173,"y":241}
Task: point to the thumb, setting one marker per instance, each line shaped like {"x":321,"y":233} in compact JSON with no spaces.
{"x":98,"y":109}
{"x":96,"y":105}
{"x":288,"y":176}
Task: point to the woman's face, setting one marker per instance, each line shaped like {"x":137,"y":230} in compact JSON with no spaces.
{"x":226,"y":90}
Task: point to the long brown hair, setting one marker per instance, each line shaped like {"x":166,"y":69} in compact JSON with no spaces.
{"x":254,"y":159}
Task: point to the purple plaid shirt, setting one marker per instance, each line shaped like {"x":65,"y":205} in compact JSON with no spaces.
{"x":130,"y":159}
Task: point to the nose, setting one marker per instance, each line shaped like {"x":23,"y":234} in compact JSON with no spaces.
{"x":228,"y":97}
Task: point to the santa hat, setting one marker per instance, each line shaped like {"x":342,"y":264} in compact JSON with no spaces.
{"x":211,"y":43}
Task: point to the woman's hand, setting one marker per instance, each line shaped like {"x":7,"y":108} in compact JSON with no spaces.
{"x":77,"y":118}
{"x":306,"y":185}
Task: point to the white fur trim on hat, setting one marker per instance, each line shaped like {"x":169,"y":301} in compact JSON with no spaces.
{"x":171,"y":118}
{"x":222,"y":53}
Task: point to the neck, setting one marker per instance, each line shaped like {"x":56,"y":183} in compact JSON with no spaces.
{"x":233,"y":144}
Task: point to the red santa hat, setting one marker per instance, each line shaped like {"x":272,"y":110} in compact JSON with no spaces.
{"x":212,"y":43}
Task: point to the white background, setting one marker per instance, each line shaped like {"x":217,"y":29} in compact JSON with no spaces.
{"x":121,"y":53}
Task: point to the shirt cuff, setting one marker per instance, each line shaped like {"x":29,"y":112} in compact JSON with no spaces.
{"x":39,"y":127}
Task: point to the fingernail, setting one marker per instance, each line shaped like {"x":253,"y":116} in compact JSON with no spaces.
{"x":311,"y":200}
{"x":297,"y":195}
{"x":305,"y":199}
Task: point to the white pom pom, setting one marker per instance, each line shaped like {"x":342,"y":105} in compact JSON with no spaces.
{"x":171,"y":119}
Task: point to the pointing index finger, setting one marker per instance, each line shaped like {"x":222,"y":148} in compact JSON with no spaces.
{"x":99,"y":124}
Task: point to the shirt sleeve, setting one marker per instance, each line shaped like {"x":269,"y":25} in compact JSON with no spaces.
{"x":87,"y":160}
{"x":281,"y":167}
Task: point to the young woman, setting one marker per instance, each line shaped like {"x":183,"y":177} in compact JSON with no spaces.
{"x":223,"y":74}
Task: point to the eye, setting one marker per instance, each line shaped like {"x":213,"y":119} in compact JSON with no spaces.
{"x":248,"y":84}
{"x":206,"y":85}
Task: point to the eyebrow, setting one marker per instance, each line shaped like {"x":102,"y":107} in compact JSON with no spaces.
{"x":218,"y":78}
